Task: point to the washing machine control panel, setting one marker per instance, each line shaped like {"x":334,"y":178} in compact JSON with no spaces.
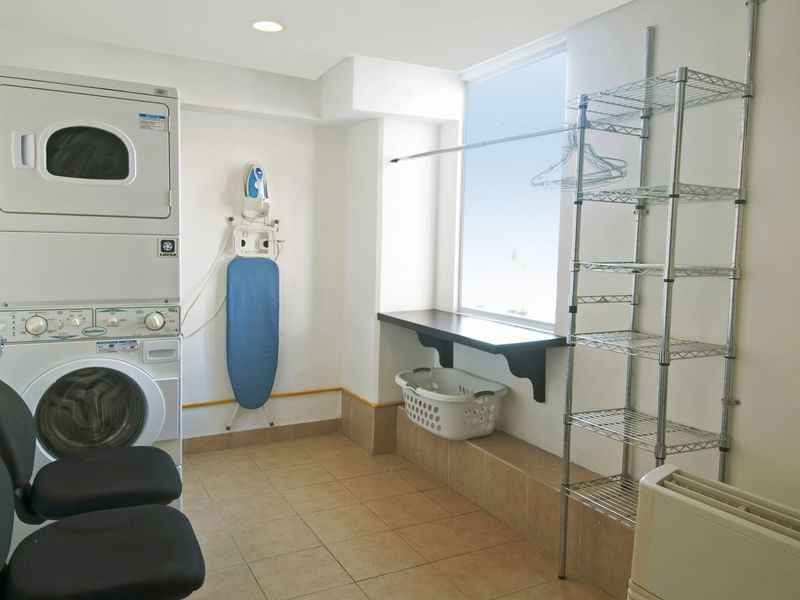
{"x":138,"y":322}
{"x":45,"y":325}
{"x":65,"y":324}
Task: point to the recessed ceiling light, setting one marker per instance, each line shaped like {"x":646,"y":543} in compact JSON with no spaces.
{"x":268,"y":26}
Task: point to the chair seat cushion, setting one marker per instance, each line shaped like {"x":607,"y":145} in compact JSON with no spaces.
{"x":102,"y":478}
{"x":136,"y":553}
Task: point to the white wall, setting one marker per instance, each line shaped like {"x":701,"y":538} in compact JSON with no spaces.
{"x":303,"y":166}
{"x":201,"y":84}
{"x":363,"y":151}
{"x":707,"y":35}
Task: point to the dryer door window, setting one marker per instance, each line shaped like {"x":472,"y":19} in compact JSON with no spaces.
{"x":90,"y":408}
{"x":82,"y":152}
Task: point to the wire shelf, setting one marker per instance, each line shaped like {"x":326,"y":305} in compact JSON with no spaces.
{"x":657,"y":94}
{"x":639,"y":430}
{"x":659,"y":194}
{"x":606,"y":299}
{"x":646,"y":345}
{"x":654,"y":269}
{"x":616,"y":496}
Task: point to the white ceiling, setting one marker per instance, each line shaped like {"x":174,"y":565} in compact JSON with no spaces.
{"x":450,"y":34}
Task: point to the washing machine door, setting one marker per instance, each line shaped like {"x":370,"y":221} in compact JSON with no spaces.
{"x":95,"y":402}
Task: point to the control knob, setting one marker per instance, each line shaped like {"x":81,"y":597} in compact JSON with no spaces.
{"x":36,"y":325}
{"x":154,"y":321}
{"x":74,"y":321}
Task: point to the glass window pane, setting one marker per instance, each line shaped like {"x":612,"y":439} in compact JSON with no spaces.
{"x":510,"y":228}
{"x":88,"y":408}
{"x":87,"y":153}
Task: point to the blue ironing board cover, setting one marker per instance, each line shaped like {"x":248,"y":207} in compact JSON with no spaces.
{"x":252,"y":342}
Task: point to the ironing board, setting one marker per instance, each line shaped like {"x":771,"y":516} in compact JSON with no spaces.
{"x":252,"y":340}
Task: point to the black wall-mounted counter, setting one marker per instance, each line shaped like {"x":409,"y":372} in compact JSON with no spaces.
{"x":523,"y":348}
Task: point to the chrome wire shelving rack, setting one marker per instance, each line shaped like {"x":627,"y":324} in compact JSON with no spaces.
{"x":614,"y":110}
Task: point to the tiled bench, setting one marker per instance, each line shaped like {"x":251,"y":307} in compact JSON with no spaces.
{"x":519,"y":484}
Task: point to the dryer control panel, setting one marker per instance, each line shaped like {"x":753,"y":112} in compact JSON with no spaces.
{"x":138,"y":322}
{"x":67,"y":324}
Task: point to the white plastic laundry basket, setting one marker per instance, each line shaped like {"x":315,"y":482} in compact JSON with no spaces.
{"x":451,"y":403}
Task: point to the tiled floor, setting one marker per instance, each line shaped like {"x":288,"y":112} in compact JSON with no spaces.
{"x":319,"y":518}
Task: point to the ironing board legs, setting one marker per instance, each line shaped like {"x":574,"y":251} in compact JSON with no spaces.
{"x":269,"y":417}
{"x":235,"y":413}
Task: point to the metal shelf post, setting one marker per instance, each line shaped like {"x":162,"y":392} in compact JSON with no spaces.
{"x":573,"y":315}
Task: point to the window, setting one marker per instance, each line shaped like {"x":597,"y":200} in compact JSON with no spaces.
{"x":87,"y":153}
{"x":509,"y":235}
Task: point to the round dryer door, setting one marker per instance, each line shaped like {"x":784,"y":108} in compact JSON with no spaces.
{"x":95,"y":403}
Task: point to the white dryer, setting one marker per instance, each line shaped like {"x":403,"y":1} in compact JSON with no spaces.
{"x":88,"y":189}
{"x":106,"y":376}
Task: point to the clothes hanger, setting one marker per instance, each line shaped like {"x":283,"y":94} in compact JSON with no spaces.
{"x":603,"y":169}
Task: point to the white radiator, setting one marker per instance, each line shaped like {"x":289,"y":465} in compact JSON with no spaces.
{"x":701,"y":539}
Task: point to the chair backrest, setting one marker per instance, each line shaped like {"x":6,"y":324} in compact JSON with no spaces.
{"x":6,"y":514}
{"x":17,"y":436}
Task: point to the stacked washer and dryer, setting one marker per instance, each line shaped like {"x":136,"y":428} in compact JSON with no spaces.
{"x":89,"y":269}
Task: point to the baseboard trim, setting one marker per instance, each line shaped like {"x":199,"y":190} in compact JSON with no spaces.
{"x":275,"y":395}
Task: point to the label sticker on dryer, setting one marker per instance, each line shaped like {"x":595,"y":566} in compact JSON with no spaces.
{"x":115,"y":346}
{"x":152,"y":122}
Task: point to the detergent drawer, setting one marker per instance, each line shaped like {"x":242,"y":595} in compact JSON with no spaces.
{"x":83,"y":152}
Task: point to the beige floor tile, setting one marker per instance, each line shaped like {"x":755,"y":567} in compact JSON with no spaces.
{"x":188,"y":472}
{"x":213,"y":457}
{"x":420,"y":583}
{"x":232,"y":582}
{"x":382,"y":485}
{"x":194,"y":494}
{"x":393,"y":461}
{"x":402,"y":511}
{"x":353,"y":466}
{"x":267,"y":456}
{"x":338,"y":452}
{"x":443,"y":538}
{"x":321,"y":496}
{"x":205,"y":518}
{"x":374,"y":555}
{"x":297,"y":476}
{"x":453,"y":502}
{"x":237,"y":463}
{"x":560,"y":590}
{"x":238,"y":485}
{"x":419,"y":478}
{"x":346,"y":592}
{"x":299,"y":573}
{"x":281,"y":536}
{"x":344,"y":523}
{"x":325,"y":442}
{"x":219,"y":550}
{"x":489,"y":527}
{"x":499,"y":570}
{"x":251,"y":511}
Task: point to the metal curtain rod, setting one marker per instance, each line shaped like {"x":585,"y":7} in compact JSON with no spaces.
{"x":513,"y":138}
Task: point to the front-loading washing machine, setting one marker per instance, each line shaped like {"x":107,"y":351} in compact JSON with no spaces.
{"x":103,"y":376}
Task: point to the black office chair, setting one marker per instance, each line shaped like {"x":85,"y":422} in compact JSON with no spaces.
{"x":96,"y":479}
{"x":121,"y":554}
